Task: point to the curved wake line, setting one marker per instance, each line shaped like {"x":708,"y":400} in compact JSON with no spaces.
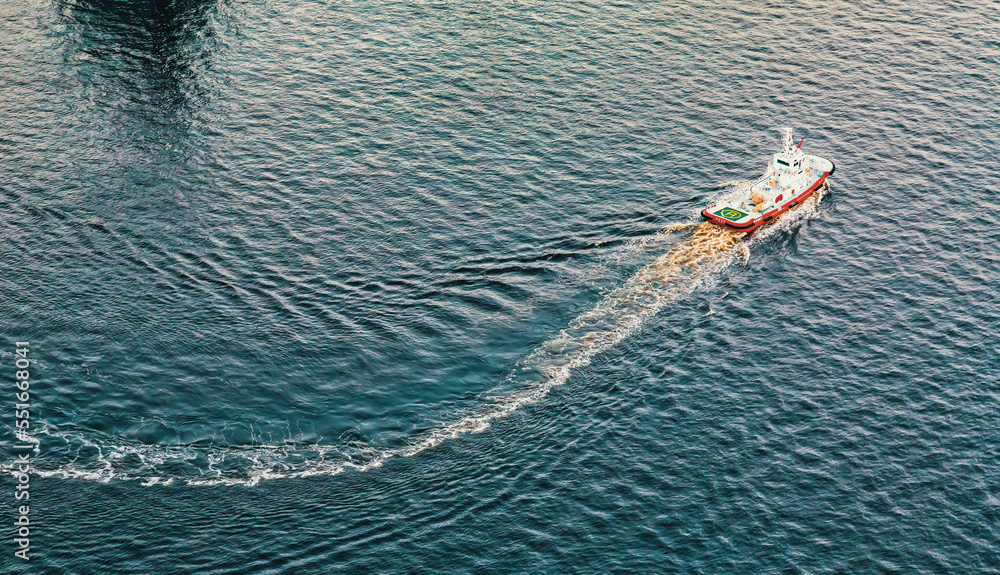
{"x":691,"y":262}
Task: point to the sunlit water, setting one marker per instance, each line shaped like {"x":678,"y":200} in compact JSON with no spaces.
{"x":421,"y":287}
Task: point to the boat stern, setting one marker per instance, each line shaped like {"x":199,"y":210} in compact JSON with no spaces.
{"x":729,"y":217}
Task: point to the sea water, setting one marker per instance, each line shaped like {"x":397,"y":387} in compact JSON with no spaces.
{"x":421,"y":287}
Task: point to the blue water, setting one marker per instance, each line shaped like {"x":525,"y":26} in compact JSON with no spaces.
{"x":383,"y":287}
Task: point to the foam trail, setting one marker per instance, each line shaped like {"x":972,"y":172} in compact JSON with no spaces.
{"x":692,"y":261}
{"x":642,"y":245}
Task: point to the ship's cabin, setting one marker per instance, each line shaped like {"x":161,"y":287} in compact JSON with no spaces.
{"x":789,"y":159}
{"x":793,"y":164}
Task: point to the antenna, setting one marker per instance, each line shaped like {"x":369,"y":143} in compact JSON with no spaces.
{"x":786,"y":136}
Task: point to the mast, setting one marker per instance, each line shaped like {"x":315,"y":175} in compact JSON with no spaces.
{"x":786,"y":134}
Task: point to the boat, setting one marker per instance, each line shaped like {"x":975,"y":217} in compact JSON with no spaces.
{"x":790,"y":178}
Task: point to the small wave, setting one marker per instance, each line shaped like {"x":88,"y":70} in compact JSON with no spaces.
{"x":685,"y":267}
{"x":733,"y":184}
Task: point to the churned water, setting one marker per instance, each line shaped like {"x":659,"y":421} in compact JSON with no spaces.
{"x":420,"y":287}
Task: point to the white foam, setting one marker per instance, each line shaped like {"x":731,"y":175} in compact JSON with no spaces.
{"x":615,"y":317}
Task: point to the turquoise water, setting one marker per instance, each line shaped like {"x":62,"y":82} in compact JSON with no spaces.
{"x":379,"y":287}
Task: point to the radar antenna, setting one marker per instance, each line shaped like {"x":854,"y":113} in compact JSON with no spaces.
{"x":786,"y":134}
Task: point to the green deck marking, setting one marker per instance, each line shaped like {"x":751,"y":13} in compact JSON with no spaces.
{"x":730,"y":214}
